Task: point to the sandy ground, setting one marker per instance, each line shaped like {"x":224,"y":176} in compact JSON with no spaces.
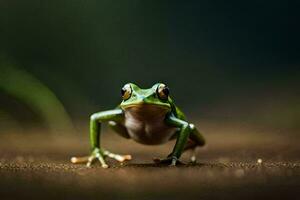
{"x":36,"y":165}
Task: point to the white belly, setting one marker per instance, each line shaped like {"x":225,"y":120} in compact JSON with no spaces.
{"x":146,"y":125}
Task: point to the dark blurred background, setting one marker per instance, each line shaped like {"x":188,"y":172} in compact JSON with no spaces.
{"x":236,"y":61}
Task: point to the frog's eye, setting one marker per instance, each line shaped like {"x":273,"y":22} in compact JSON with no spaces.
{"x":162,"y":91}
{"x":126,"y":92}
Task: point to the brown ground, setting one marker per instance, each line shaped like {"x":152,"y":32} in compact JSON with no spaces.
{"x":36,"y":165}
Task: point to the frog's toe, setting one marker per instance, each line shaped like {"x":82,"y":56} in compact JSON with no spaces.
{"x":76,"y":160}
{"x":102,"y":161}
{"x":120,"y":158}
{"x":90,"y":161}
{"x":95,"y":157}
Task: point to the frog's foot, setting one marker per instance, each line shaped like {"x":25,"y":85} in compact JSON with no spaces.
{"x":117,"y":157}
{"x":171,"y":161}
{"x":97,"y":154}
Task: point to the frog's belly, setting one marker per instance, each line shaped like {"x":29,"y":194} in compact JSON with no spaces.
{"x":148,"y":127}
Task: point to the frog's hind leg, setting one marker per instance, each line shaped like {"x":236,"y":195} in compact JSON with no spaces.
{"x":196,"y":139}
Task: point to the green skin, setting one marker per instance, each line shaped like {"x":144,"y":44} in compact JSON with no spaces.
{"x":145,"y":118}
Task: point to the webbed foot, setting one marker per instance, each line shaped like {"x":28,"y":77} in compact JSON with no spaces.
{"x":100,"y":155}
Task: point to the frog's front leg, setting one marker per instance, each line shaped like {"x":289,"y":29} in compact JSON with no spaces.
{"x":95,"y":127}
{"x":181,"y":141}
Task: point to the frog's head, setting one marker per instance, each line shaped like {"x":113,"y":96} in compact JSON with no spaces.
{"x":157,"y":95}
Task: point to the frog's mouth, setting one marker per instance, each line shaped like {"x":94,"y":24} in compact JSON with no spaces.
{"x":147,"y":106}
{"x":146,"y":111}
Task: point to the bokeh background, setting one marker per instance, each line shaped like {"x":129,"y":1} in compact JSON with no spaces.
{"x":232,"y":67}
{"x":236,"y":61}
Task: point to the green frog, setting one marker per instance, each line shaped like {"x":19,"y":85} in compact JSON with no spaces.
{"x":148,"y":116}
